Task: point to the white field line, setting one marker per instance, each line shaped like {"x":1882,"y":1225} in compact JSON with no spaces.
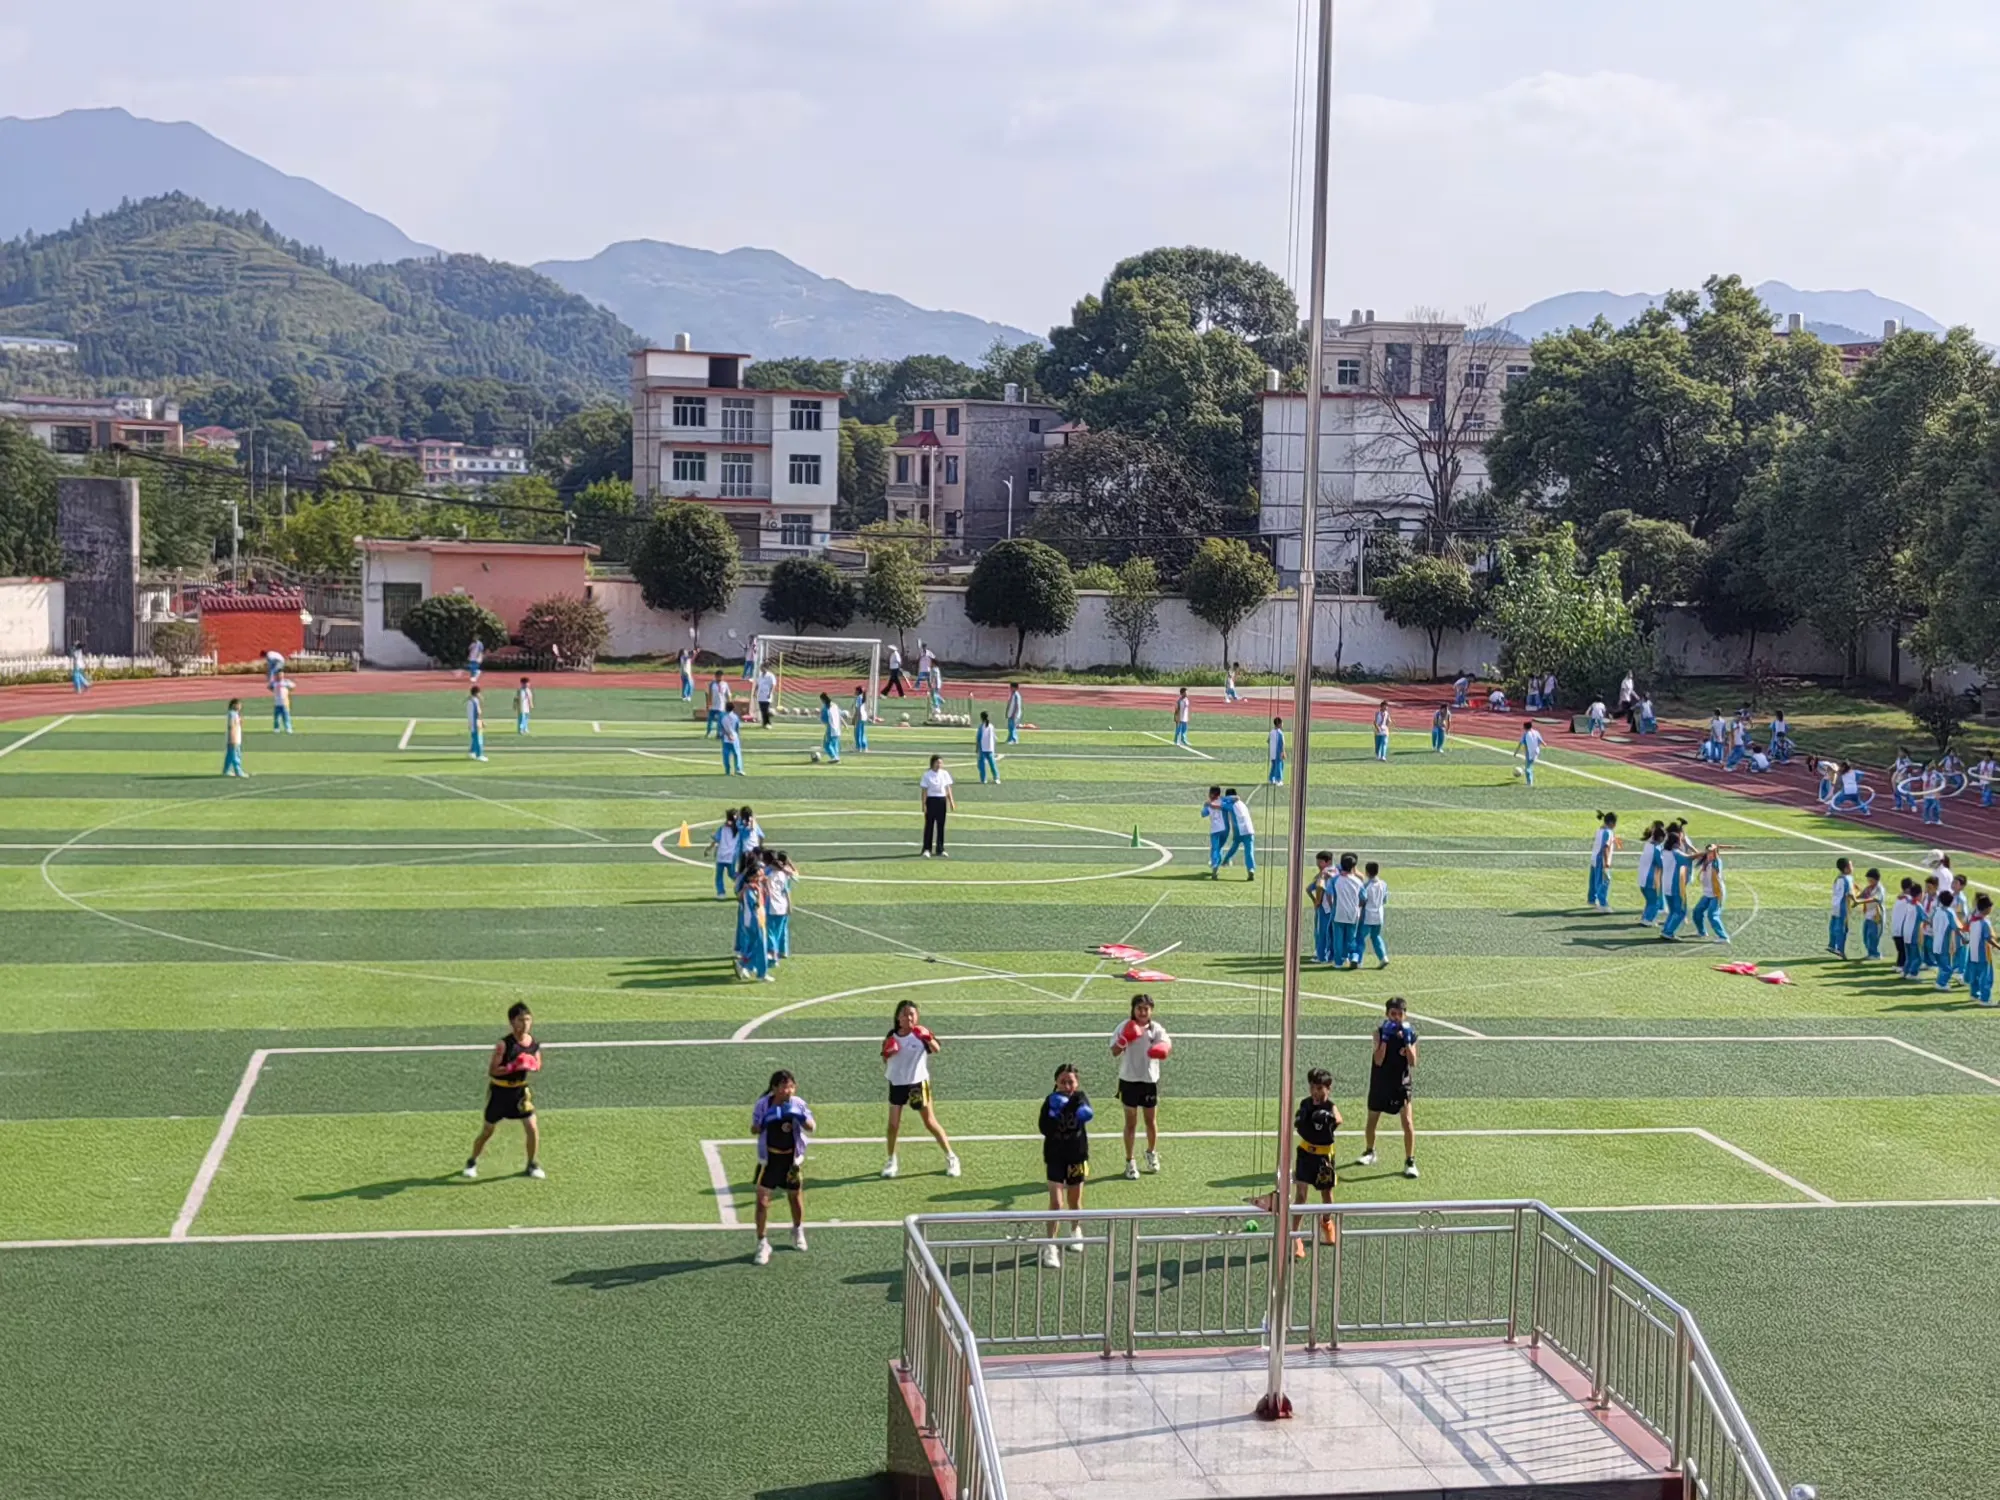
{"x":34,"y":734}
{"x":339,"y":1236}
{"x":408,"y":730}
{"x":1176,"y":744}
{"x":1713,"y":812}
{"x":1763,"y":1166}
{"x":718,"y":1177}
{"x":670,"y":755}
{"x":445,"y":786}
{"x":1985,"y":1078}
{"x":204,"y":1176}
{"x":597,"y":726}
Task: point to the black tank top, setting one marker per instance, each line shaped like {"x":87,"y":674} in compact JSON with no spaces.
{"x":511,"y":1052}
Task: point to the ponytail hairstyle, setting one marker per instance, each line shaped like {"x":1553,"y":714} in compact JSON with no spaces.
{"x":897,"y":1020}
{"x":1608,"y":819}
{"x":782,"y":1076}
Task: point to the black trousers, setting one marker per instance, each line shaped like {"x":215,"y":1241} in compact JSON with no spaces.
{"x":895,"y":682}
{"x":934,"y":810}
{"x":1902,"y":952}
{"x":764,"y":712}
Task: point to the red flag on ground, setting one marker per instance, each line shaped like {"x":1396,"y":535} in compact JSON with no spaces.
{"x":1121,"y":950}
{"x":1738,"y":968}
{"x":1776,"y":976}
{"x":1149,"y":976}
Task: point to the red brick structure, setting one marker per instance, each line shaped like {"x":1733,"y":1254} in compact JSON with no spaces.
{"x":242,"y":627}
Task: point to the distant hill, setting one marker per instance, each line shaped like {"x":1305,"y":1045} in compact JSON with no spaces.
{"x":1838,"y":317}
{"x":56,"y":169}
{"x":758,"y":302}
{"x":173,"y":288}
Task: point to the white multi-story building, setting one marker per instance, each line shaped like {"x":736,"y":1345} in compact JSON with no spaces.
{"x":1408,"y":408}
{"x":769,"y":461}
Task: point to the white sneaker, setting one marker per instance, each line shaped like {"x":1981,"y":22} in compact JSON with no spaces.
{"x":1051,"y":1257}
{"x":1131,"y":1171}
{"x":535,"y":1171}
{"x":799,"y":1238}
{"x":763,"y":1255}
{"x":951,"y":1166}
{"x":471,"y":1169}
{"x":1075,"y":1245}
{"x":1367,"y":1159}
{"x":927,"y":854}
{"x":1152,"y":1161}
{"x":890,"y":1168}
{"x":1410,"y":1167}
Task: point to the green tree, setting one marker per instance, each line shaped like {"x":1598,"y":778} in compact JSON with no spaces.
{"x":1954,"y":554}
{"x":1024,"y":586}
{"x":864,"y":473}
{"x":913,"y":537}
{"x":1939,"y":714}
{"x":1109,"y":496}
{"x":1224,"y":583}
{"x":1660,"y":562}
{"x":807,"y":591}
{"x":28,"y":542}
{"x":1006,"y":364}
{"x":878,"y":390}
{"x":183,"y":507}
{"x":1736,"y":595}
{"x":586,"y":448}
{"x":1431,"y":594}
{"x":892,"y":593}
{"x":1133,"y":611}
{"x":444,"y":627}
{"x":1100,"y":576}
{"x":281,"y":447}
{"x":1554,"y":612}
{"x":605,"y":514}
{"x":570,"y":624}
{"x":688,"y":563}
{"x":796,"y":373}
{"x":1668,"y":417}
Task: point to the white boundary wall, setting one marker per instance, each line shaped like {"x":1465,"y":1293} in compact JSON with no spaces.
{"x":31,"y":616}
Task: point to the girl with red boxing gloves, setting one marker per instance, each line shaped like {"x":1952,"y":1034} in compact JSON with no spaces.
{"x":1141,"y":1045}
{"x":906,"y":1058}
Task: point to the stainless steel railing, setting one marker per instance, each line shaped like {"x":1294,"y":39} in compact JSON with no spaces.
{"x":1130,"y":1279}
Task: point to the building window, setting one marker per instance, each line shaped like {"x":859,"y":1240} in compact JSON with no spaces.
{"x":739,"y":419}
{"x":1475,"y":375}
{"x":398,"y":599}
{"x":738,"y":473}
{"x":690,"y":411}
{"x":951,"y":468}
{"x":930,"y":419}
{"x":902,"y":468}
{"x":805,"y":416}
{"x":70,"y":439}
{"x":1347,"y":372}
{"x":951,"y":422}
{"x":1034,"y":478}
{"x":795,"y":531}
{"x":1034,"y":424}
{"x":805,"y":468}
{"x":690,"y":467}
{"x":1516,"y":372}
{"x":1396,"y":369}
{"x":951,"y":523}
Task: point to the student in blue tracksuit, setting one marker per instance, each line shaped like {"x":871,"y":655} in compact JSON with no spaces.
{"x":1277,"y":752}
{"x":1871,"y":899}
{"x":1843,"y":898}
{"x":687,"y":675}
{"x":475,"y":658}
{"x":1229,"y":693}
{"x":1243,"y":833}
{"x":1013,"y":713}
{"x":1374,"y":911}
{"x":1218,"y":830}
{"x":232,"y":745}
{"x":1461,"y":692}
{"x":1714,"y":894}
{"x":475,"y":723}
{"x":1530,"y":750}
{"x":727,"y":844}
{"x":1675,"y":863}
{"x":1347,"y":901}
{"x":1181,"y":718}
{"x":79,"y":681}
{"x":732,"y":743}
{"x":281,"y":704}
{"x":829,"y":716}
{"x":983,"y":746}
{"x":1440,"y":727}
{"x":1601,"y":846}
{"x":1319,"y":891}
{"x":718,"y":700}
{"x":860,"y":713}
{"x":750,"y":659}
{"x":1979,"y":951}
{"x":1945,"y":937}
{"x":524,"y":706}
{"x":1650,"y":873}
{"x":1381,"y":731}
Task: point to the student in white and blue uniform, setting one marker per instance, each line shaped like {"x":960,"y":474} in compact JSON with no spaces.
{"x":718,"y":701}
{"x":860,"y":715}
{"x":1243,"y":833}
{"x":1319,"y":891}
{"x":1461,"y":692}
{"x":281,"y":705}
{"x":1650,"y":872}
{"x":1277,"y":751}
{"x":232,"y":744}
{"x":1013,"y":713}
{"x":1945,"y":937}
{"x":1979,"y":951}
{"x":1229,"y":694}
{"x":1530,"y":750}
{"x":475,"y":658}
{"x":778,"y":878}
{"x":475,"y":722}
{"x":1708,"y":910}
{"x":1348,"y":889}
{"x":1382,"y":731}
{"x":829,"y":716}
{"x":274,"y":666}
{"x":1674,"y":862}
{"x":1902,"y":770}
{"x":727,"y":843}
{"x":1601,"y":846}
{"x":937,"y":689}
{"x":1218,"y":830}
{"x":524,"y":706}
{"x":687,"y":675}
{"x":1934,"y":785}
{"x":78,"y":682}
{"x":750,"y":659}
{"x":1181,"y":718}
{"x":1440,"y":728}
{"x":1374,"y":909}
{"x":1843,"y":898}
{"x":732,"y":742}
{"x":983,"y":745}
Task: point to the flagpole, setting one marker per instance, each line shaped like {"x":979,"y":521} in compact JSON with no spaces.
{"x":1275,"y":1403}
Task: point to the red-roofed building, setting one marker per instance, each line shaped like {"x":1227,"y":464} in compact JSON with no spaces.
{"x":221,"y":439}
{"x":242,"y":627}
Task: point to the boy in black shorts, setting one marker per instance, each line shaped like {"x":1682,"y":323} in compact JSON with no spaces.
{"x":1063,"y":1121}
{"x":1312,"y":1163}
{"x":1389,"y":1083}
{"x":515,"y":1056}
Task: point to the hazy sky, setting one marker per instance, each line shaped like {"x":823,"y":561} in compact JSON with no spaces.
{"x":997,"y":156}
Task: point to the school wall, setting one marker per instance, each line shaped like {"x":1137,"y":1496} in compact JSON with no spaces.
{"x":31,"y":616}
{"x":1348,"y":632}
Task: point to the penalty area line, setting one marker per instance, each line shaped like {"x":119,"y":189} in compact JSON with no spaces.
{"x":211,"y":1163}
{"x":409,"y":729}
{"x":34,"y":734}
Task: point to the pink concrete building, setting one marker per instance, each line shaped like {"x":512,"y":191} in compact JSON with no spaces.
{"x":505,"y":577}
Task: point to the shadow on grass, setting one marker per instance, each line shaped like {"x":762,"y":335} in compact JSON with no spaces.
{"x":674,"y":973}
{"x":869,"y":1487}
{"x":615,"y":1278}
{"x":999,"y":1197}
{"x":891,"y":1283}
{"x":370,"y":1192}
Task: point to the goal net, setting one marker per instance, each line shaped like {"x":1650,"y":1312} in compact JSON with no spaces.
{"x":807,"y":666}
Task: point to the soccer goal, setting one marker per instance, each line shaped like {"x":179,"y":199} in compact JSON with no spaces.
{"x":807,"y":665}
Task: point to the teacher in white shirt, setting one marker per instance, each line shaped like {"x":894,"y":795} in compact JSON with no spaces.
{"x":936,"y":783}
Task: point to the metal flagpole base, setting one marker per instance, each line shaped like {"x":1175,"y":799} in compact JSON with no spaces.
{"x":1274,"y":1408}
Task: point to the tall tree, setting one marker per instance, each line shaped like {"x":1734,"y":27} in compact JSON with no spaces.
{"x":1555,"y":611}
{"x":1133,"y":611}
{"x":688,"y":563}
{"x":807,"y":591}
{"x":1023,"y":586}
{"x":1431,"y":594}
{"x":1668,"y":417}
{"x":28,"y":542}
{"x":864,"y":473}
{"x":587,"y":448}
{"x":892,"y":593}
{"x":1660,"y":562}
{"x":1955,"y":551}
{"x":1108,"y":496}
{"x":1225,"y":582}
{"x":1737,"y":595}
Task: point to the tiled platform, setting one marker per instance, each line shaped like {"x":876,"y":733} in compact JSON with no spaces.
{"x":1369,"y":1420}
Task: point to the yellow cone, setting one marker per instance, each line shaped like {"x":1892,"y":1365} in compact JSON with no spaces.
{"x":685,"y":841}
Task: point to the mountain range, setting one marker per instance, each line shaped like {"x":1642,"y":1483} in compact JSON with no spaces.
{"x":1838,"y":317}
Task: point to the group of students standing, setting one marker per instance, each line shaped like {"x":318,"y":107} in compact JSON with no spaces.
{"x":762,"y":882}
{"x":1670,"y":866}
{"x":1937,"y":923}
{"x":1349,"y":907}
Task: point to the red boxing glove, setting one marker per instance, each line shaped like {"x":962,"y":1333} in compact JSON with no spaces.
{"x":1159,"y":1050}
{"x":528,"y":1062}
{"x":922,"y":1035}
{"x":1129,"y":1033}
{"x":891,"y":1045}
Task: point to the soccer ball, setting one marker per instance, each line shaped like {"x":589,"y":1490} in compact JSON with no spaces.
{"x":815,"y":757}
{"x":1517,"y":773}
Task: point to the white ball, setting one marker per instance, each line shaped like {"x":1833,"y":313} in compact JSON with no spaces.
{"x":1517,"y":772}
{"x":815,"y":757}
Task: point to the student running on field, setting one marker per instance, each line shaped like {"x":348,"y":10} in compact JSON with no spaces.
{"x":475,"y":658}
{"x":1229,"y":693}
{"x":1218,"y":830}
{"x":895,"y":672}
{"x":475,"y":723}
{"x":1313,"y":1168}
{"x":79,"y":680}
{"x":1064,"y":1121}
{"x":906,"y":1060}
{"x":1242,"y":834}
{"x":1529,"y":749}
{"x":783,"y":1125}
{"x":1440,"y":728}
{"x":232,"y":743}
{"x":524,"y":706}
{"x":1140,"y":1044}
{"x":516,"y":1057}
{"x":1391,"y":1080}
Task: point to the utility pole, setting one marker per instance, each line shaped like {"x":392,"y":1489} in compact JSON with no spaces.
{"x":1278,"y":1324}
